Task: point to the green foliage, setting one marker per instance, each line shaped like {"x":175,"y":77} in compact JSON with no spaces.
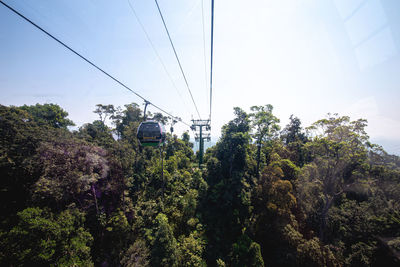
{"x":290,"y":170}
{"x":229,"y":189}
{"x":137,"y":255}
{"x":191,"y":250}
{"x":49,"y":114}
{"x":361,"y":255}
{"x":265,"y":126}
{"x":324,"y":197}
{"x":339,"y":156}
{"x":97,"y":133}
{"x":220,"y":263}
{"x":164,"y":251}
{"x":273,"y":201}
{"x":116,"y":236}
{"x":20,"y":168}
{"x":105,"y":111}
{"x":312,"y":253}
{"x":264,"y":122}
{"x":293,"y":132}
{"x":232,"y":149}
{"x":294,"y":139}
{"x":245,"y":252}
{"x":42,"y":238}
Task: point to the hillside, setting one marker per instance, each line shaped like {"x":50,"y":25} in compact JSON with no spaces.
{"x":320,"y":196}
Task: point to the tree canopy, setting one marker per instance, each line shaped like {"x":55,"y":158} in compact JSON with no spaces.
{"x":323,"y":195}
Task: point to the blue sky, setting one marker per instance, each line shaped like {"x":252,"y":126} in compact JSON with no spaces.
{"x":305,"y":57}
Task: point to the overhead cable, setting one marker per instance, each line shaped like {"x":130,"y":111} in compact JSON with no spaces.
{"x":91,"y":63}
{"x":212,"y":50}
{"x":177,"y":58}
{"x":155,"y":51}
{"x":204,"y":44}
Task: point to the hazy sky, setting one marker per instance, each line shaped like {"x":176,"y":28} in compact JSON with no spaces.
{"x":305,"y":57}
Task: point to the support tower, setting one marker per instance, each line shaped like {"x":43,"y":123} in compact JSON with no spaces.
{"x":202,"y":128}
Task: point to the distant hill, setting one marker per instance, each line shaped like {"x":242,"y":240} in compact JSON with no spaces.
{"x":391,"y":146}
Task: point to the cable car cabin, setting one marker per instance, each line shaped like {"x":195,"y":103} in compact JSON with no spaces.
{"x":151,"y":133}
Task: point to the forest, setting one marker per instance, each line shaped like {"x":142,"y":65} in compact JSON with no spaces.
{"x":321,"y":195}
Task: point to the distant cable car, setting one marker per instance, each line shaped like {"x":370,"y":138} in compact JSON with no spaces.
{"x":151,"y":133}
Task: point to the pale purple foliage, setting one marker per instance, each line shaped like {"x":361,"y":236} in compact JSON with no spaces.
{"x":72,"y":172}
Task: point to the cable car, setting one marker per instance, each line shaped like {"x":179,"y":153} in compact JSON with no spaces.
{"x":151,"y":133}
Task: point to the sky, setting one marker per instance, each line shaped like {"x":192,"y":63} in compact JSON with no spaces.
{"x":305,"y":57}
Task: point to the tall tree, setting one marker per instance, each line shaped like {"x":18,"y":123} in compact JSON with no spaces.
{"x":49,"y":114}
{"x":105,"y":111}
{"x":265,"y":126}
{"x":339,"y":154}
{"x":294,"y":139}
{"x":293,"y":131}
{"x":20,"y":136}
{"x":227,"y":205}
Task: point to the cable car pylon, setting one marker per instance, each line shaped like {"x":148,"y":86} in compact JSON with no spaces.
{"x":203,"y":127}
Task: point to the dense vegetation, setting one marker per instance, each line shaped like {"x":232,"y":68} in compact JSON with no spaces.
{"x":321,"y":196}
